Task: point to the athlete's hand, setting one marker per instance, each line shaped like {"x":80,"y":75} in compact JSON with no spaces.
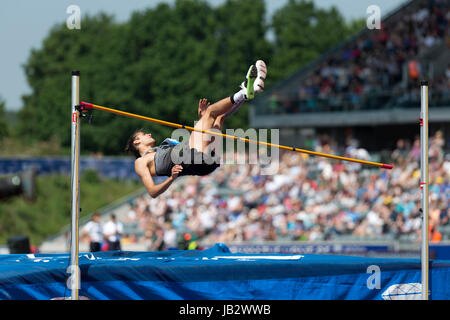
{"x":176,"y":170}
{"x":203,"y":104}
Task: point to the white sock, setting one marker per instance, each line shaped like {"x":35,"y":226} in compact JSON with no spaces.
{"x":238,"y":97}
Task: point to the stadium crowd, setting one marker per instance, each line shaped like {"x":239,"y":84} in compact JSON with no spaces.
{"x":310,"y":198}
{"x":377,"y":67}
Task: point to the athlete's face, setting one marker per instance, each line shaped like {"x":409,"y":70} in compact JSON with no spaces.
{"x":145,"y":139}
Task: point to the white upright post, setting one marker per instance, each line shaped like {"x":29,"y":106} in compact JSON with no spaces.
{"x":74,"y":281}
{"x":424,"y":185}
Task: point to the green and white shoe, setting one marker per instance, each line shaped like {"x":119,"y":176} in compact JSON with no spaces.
{"x":254,"y":82}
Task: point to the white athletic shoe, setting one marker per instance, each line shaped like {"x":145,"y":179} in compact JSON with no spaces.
{"x":261,"y":67}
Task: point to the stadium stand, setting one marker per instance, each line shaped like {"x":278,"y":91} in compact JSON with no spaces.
{"x":377,"y":69}
{"x":311,"y":199}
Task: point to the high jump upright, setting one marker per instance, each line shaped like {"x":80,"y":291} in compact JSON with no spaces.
{"x":74,"y":280}
{"x":424,"y":185}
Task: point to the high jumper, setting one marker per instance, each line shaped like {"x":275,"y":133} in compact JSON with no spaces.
{"x":152,"y":160}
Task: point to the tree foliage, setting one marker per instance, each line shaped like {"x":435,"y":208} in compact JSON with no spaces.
{"x":161,"y":61}
{"x":303,"y":32}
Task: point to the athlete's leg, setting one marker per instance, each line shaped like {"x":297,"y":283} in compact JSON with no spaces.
{"x":234,"y":109}
{"x":218,"y":123}
{"x":258,"y":86}
{"x":207,"y":121}
{"x":220,"y":108}
{"x":214,"y":115}
{"x":203,"y":104}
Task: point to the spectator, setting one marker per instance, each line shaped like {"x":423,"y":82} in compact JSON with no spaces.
{"x":158,"y":240}
{"x":401,"y":152}
{"x":113,"y":231}
{"x":170,"y":236}
{"x":93,"y":231}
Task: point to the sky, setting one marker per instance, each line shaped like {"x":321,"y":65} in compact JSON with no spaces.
{"x":25,"y":23}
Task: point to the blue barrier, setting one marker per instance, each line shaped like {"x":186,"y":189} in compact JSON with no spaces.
{"x":121,"y":168}
{"x":439,"y":251}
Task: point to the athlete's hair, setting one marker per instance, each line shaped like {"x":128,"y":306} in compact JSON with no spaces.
{"x":130,"y":147}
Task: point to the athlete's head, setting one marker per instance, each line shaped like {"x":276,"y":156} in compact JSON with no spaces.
{"x":139,"y":142}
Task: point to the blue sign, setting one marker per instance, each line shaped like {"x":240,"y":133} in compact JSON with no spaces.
{"x":335,"y":248}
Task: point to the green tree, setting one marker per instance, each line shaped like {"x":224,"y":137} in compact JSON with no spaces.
{"x":194,"y":51}
{"x":169,"y":63}
{"x":302,"y":33}
{"x":242,"y":40}
{"x":161,"y":61}
{"x":96,"y":51}
{"x":356,"y":25}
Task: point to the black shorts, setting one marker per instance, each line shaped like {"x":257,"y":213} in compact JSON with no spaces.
{"x":197,"y":163}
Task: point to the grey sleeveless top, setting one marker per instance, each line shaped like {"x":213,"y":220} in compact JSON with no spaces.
{"x":163,"y":161}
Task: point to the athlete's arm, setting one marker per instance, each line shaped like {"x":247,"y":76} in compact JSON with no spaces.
{"x":153,"y":189}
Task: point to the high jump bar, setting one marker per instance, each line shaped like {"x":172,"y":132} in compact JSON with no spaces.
{"x":88,"y":105}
